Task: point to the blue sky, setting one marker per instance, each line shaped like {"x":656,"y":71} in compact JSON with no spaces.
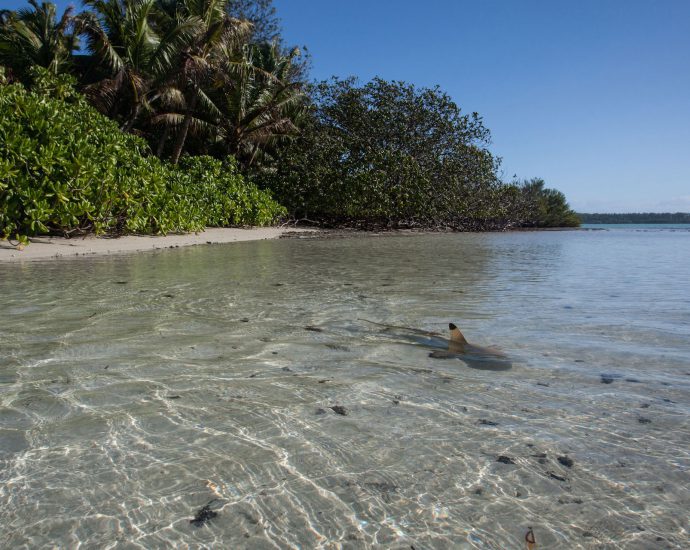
{"x":591,"y":95}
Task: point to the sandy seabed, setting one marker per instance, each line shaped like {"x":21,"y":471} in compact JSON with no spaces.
{"x":42,"y":248}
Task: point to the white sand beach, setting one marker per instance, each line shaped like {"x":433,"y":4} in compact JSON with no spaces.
{"x":42,"y":248}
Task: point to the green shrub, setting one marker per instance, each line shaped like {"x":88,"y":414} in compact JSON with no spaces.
{"x":388,"y":154}
{"x":65,"y":168}
{"x":222,"y":194}
{"x":543,"y":207}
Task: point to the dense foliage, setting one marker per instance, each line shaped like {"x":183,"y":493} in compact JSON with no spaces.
{"x":209,"y":86}
{"x":645,"y":217}
{"x":186,"y":75}
{"x":543,"y":207}
{"x":66,"y":168}
{"x":388,"y":154}
{"x":35,"y":36}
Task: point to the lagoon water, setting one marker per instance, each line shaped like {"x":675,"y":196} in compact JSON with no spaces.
{"x":137,"y":389}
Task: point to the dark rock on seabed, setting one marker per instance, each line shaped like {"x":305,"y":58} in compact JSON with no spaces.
{"x":556,"y":476}
{"x":203,"y":515}
{"x":337,"y":409}
{"x":566,"y":461}
{"x":484,"y":422}
{"x":505,"y":460}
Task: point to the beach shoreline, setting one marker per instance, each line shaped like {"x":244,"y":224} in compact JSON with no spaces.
{"x":48,"y":247}
{"x":53,"y":247}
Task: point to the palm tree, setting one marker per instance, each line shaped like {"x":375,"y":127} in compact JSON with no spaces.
{"x":261,"y":104}
{"x":30,"y":37}
{"x":137,"y":47}
{"x":193,"y":77}
{"x":167,"y":68}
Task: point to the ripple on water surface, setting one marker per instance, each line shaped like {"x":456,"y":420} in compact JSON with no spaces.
{"x":243,"y":385}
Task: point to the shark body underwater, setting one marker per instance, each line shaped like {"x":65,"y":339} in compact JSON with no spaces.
{"x":454,"y":347}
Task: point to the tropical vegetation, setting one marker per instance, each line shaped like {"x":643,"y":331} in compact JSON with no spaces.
{"x":388,"y":154}
{"x":543,"y":207}
{"x":65,"y":168}
{"x":165,"y":91}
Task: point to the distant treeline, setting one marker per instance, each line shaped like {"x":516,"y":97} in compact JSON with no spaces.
{"x":643,"y":217}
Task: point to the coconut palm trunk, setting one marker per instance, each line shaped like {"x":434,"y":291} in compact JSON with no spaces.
{"x":184,"y":130}
{"x":161,"y":142}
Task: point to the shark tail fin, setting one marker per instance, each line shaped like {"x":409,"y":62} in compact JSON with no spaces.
{"x":456,"y":335}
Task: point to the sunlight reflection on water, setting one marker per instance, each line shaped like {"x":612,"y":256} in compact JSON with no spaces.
{"x":134,"y":390}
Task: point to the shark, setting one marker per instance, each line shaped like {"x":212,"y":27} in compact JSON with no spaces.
{"x":455,"y":346}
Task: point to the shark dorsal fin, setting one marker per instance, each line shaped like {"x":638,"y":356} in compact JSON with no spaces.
{"x":456,"y":335}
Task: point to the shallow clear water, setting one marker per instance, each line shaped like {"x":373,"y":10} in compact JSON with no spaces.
{"x":134,"y":390}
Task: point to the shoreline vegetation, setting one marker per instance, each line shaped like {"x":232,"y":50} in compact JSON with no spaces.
{"x":149,"y":117}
